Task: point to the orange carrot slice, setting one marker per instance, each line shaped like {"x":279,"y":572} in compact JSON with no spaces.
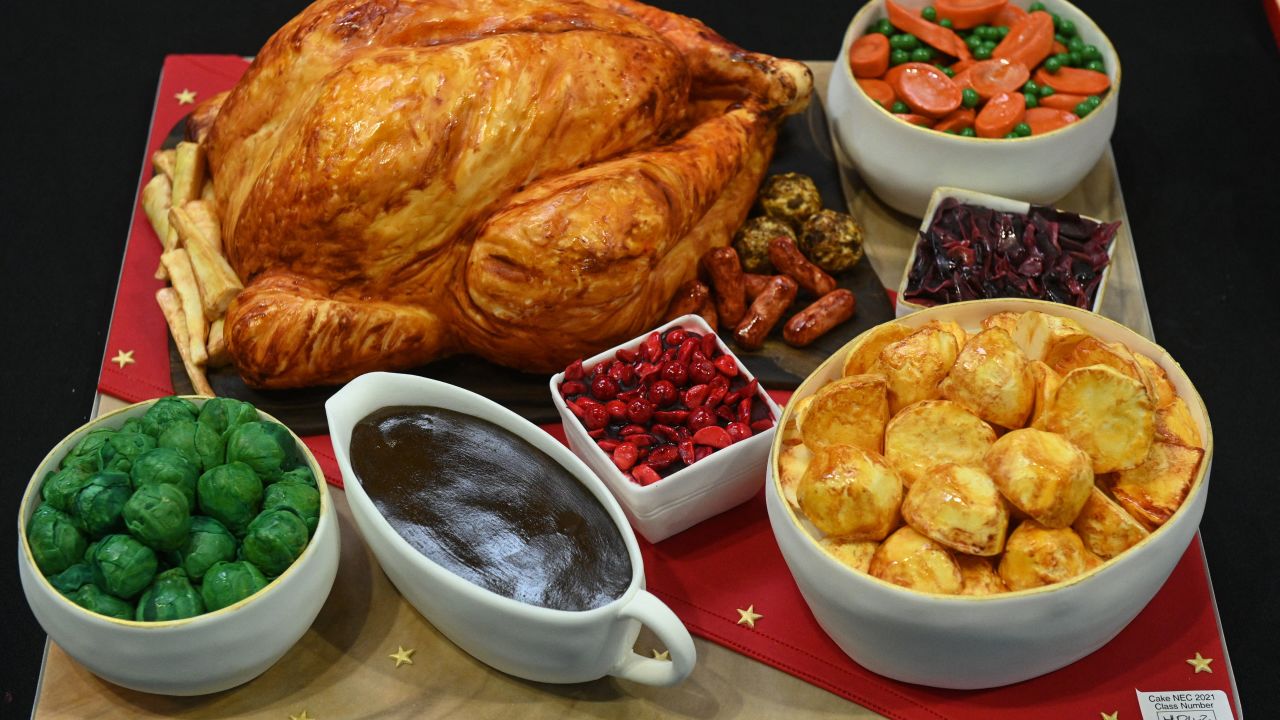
{"x":992,"y":77}
{"x":1075,"y":80}
{"x":965,"y":14}
{"x":1008,"y":16}
{"x":1028,"y":42}
{"x":1045,"y":119}
{"x":927,"y":90}
{"x":1058,"y":48}
{"x":958,"y":120}
{"x":869,"y":56}
{"x":915,"y":119}
{"x":935,"y":36}
{"x":878,"y":90}
{"x":1062,"y":101}
{"x":999,"y":115}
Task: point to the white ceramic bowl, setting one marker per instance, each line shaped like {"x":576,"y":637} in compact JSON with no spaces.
{"x":902,"y":163}
{"x":976,"y":642}
{"x":194,"y":656}
{"x":528,"y":641}
{"x":722,"y":480}
{"x":906,"y":307}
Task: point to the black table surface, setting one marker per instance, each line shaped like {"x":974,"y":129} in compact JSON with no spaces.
{"x":1197,"y":145}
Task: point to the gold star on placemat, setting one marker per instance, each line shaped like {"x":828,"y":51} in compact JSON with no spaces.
{"x":301,"y":716}
{"x":401,"y":656}
{"x":1111,"y":716}
{"x":186,"y":97}
{"x":1201,"y":664}
{"x":664,"y":655}
{"x":749,"y":616}
{"x":123,"y":357}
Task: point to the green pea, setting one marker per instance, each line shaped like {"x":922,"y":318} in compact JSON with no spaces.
{"x":1053,"y":64}
{"x":1095,"y":65}
{"x":982,"y":52}
{"x":1002,"y":31}
{"x":1045,"y":91}
{"x":1035,"y":6}
{"x":884,"y":27}
{"x":930,"y":13}
{"x":897,"y":56}
{"x":1076,"y":44}
{"x":1057,"y":23}
{"x":1010,"y":136}
{"x":1031,"y":100}
{"x":1090,"y":52}
{"x":946,"y":70}
{"x":988,"y":32}
{"x":1066,"y":27}
{"x":904,"y":41}
{"x":1083,"y":108}
{"x":1094,"y":100}
{"x":1060,"y":38}
{"x":945,"y":22}
{"x":1031,"y":87}
{"x":969,"y":98}
{"x":921,"y":54}
{"x":1022,"y":130}
{"x":974,"y":42}
{"x":968,"y":132}
{"x":949,"y":131}
{"x":1075,"y":59}
{"x":901,"y":108}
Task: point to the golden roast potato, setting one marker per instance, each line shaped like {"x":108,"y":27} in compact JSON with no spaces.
{"x":793,"y":461}
{"x":950,"y":326}
{"x":1154,"y":490}
{"x":791,"y":430}
{"x":1174,"y":424}
{"x":959,"y":507}
{"x":915,"y":365}
{"x":1047,"y":382}
{"x":912,"y":560}
{"x":1006,"y":320}
{"x":1106,"y":529}
{"x":1035,"y":555}
{"x":854,"y":553}
{"x":1043,"y":474}
{"x":991,"y":377}
{"x":850,"y":411}
{"x":1046,"y":337}
{"x":1105,"y":413}
{"x":1092,"y":351}
{"x":862,"y":355}
{"x":979,"y":576}
{"x":1157,"y":381}
{"x":933,"y":432}
{"x":850,"y":492}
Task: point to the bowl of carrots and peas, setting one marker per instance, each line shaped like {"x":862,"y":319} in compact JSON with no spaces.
{"x":1009,"y":97}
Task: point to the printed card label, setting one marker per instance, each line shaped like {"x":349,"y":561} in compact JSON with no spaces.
{"x":1184,"y":705}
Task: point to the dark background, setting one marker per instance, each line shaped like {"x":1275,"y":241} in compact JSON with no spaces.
{"x":1197,"y":145}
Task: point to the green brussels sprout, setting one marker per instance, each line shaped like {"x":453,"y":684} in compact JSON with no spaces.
{"x":266,"y":447}
{"x":232,"y":495}
{"x":301,"y":500}
{"x":227,"y":583}
{"x":122,"y":566}
{"x":166,"y":466}
{"x":55,"y":541}
{"x":159,"y":516}
{"x":198,"y":443}
{"x":93,"y":452}
{"x":275,"y":539}
{"x":301,"y":475}
{"x":165,"y":411}
{"x":60,"y":488}
{"x":72,"y":579}
{"x":128,"y":446}
{"x":99,"y":507}
{"x":209,"y":542}
{"x":170,"y":597}
{"x":222,"y":414}
{"x":133,"y":425}
{"x":92,"y":598}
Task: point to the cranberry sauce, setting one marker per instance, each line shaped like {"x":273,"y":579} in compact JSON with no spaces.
{"x":490,"y":507}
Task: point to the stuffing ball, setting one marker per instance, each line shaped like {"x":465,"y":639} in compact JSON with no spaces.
{"x":752,"y":242}
{"x":790,"y":197}
{"x":832,"y":240}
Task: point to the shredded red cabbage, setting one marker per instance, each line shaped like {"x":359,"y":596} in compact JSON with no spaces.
{"x":972,"y":253}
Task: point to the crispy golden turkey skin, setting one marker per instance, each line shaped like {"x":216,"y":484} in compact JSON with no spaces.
{"x":525,"y":180}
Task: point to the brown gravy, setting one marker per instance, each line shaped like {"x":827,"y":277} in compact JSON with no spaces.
{"x":490,"y":507}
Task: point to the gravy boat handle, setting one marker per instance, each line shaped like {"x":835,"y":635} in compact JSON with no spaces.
{"x":653,"y":614}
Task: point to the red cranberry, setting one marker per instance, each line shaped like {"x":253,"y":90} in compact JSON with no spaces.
{"x":762,"y":424}
{"x":622,"y":374}
{"x":701,"y":451}
{"x":739,"y":431}
{"x":572,"y":387}
{"x":686,"y":351}
{"x":662,"y":456}
{"x":700,"y":369}
{"x":719,"y":381}
{"x":597,"y":433}
{"x":713,"y":435}
{"x":640,"y":440}
{"x":625,"y":355}
{"x":601,"y":369}
{"x":726,"y":412}
{"x":574,"y":371}
{"x":632,"y":430}
{"x":645,"y":475}
{"x":630,"y":396}
{"x":687,"y":455}
{"x":671,"y":417}
{"x":624,"y":456}
{"x":651,"y":348}
{"x":675,"y":373}
{"x":617,"y":410}
{"x":709,"y":345}
{"x":726,"y":366}
{"x":744,"y":410}
{"x":595,"y":417}
{"x":716,"y":395}
{"x":674,"y":337}
{"x":640,"y":411}
{"x":662,"y":393}
{"x":604,"y":388}
{"x":700,"y":418}
{"x":608,"y":445}
{"x":665,"y":432}
{"x":645,"y":370}
{"x":696,"y":395}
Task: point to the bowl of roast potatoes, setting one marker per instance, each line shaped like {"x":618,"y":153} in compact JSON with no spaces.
{"x":983,"y":492}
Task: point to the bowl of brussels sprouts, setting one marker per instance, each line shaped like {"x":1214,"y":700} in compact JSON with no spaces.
{"x":178,"y":546}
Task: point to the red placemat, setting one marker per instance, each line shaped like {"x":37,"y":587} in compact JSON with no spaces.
{"x":730,"y":562}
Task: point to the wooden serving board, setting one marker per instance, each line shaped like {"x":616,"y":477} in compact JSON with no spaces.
{"x":804,"y":146}
{"x":341,"y":669}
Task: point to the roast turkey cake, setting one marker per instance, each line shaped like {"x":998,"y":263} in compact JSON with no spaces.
{"x":525,"y":180}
